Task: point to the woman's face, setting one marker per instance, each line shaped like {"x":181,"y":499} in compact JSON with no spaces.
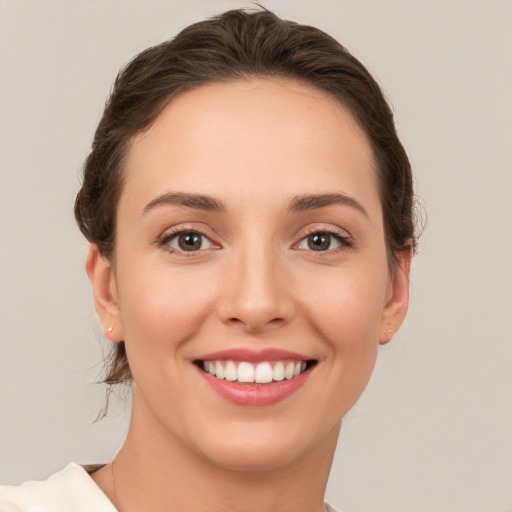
{"x":250,"y":243}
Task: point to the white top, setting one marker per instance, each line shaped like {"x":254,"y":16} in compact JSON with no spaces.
{"x":69,"y":490}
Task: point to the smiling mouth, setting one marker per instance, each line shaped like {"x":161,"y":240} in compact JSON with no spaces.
{"x":265,"y":372}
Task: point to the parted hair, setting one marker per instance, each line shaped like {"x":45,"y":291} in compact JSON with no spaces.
{"x":236,"y":45}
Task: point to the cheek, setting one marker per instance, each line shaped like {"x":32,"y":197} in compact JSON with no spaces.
{"x":160,"y":311}
{"x":347,"y":310}
{"x":346,"y":314}
{"x":347,"y":320}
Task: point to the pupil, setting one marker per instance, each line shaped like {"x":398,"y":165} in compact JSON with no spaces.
{"x":189,"y":241}
{"x":319,"y":242}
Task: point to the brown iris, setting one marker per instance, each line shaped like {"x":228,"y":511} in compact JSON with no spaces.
{"x":189,"y":241}
{"x":319,"y":241}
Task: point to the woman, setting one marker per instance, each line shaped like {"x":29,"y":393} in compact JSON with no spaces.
{"x":249,"y":211}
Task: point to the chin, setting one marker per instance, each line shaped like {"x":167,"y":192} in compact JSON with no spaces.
{"x":271,"y":449}
{"x":253,"y":459}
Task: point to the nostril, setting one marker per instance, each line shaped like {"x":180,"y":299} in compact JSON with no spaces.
{"x":277,"y":322}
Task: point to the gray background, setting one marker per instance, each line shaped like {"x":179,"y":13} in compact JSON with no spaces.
{"x":433,"y":432}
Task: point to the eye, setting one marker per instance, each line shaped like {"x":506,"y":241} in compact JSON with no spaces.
{"x":188,"y":241}
{"x":321,"y":241}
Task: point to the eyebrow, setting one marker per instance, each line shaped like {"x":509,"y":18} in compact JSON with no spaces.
{"x":313,"y":201}
{"x":298,"y":204}
{"x":198,"y":201}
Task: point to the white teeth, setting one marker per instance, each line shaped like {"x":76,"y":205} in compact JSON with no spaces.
{"x":219,"y":370}
{"x":279,"y":371}
{"x":288,"y":371}
{"x":245,"y":372}
{"x":262,"y":373}
{"x":230,"y":371}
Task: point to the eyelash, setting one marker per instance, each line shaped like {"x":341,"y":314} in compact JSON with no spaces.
{"x":344,"y":241}
{"x":169,"y":236}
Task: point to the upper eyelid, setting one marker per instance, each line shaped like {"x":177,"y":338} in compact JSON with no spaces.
{"x":342,"y":238}
{"x":323,"y":228}
{"x":202,"y":229}
{"x":171,"y":235}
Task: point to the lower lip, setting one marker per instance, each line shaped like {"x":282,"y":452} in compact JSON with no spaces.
{"x":255,"y":394}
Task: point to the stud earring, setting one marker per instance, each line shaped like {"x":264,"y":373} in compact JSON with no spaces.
{"x":110,"y":329}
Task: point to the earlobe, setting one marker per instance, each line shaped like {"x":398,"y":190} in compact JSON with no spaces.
{"x":398,"y":298}
{"x":104,"y":291}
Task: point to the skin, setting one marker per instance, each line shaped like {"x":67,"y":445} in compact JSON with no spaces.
{"x":254,"y":146}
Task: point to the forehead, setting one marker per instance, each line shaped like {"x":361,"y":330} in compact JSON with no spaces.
{"x":257,"y":134}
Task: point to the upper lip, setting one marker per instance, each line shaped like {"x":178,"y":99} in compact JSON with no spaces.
{"x":253,"y":356}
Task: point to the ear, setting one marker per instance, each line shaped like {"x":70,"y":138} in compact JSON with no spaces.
{"x":397,"y":300}
{"x":104,"y":291}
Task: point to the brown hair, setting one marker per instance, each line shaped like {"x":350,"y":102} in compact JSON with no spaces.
{"x":234,"y":45}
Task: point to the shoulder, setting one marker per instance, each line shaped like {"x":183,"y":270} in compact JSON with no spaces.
{"x":69,"y":490}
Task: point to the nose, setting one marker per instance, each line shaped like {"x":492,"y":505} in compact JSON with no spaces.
{"x":256,"y":293}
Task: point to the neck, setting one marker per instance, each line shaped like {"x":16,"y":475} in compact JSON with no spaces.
{"x":155,"y":472}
